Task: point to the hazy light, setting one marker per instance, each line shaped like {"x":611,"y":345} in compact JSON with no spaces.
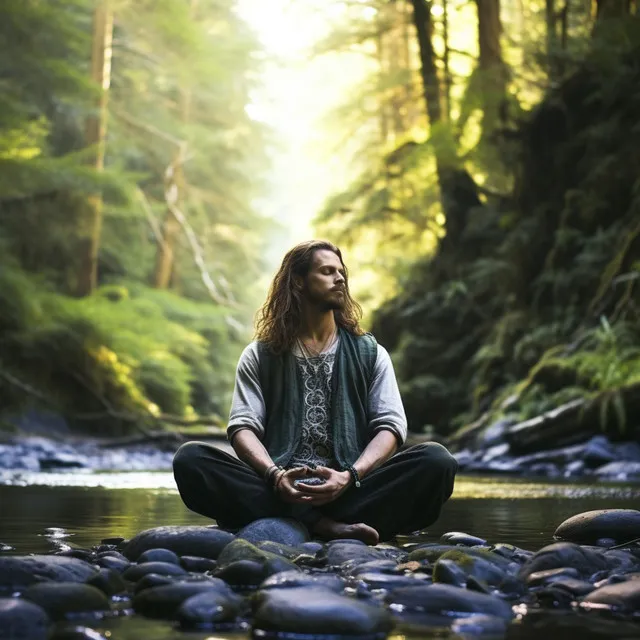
{"x":437,"y":10}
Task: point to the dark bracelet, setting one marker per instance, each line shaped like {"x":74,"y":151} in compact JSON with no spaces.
{"x":356,"y":477}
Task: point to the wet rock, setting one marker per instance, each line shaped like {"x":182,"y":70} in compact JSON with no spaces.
{"x":319,"y":612}
{"x":194,"y":563}
{"x":510,"y":552}
{"x":153,"y":580}
{"x":551,"y":597}
{"x":22,"y":620}
{"x":621,"y":525}
{"x":59,"y":460}
{"x":620,"y":471}
{"x":158,"y":555}
{"x":339,"y":553}
{"x":447,"y":600}
{"x":283,"y":530}
{"x":81,"y":554}
{"x":541,"y":578}
{"x":137,"y":571}
{"x":115,"y":540}
{"x":564,"y":554}
{"x":110,"y":582}
{"x":164,"y":601}
{"x":18,"y":572}
{"x":77,"y":633}
{"x":208,"y":610}
{"x":480,"y":568}
{"x":430,"y":552}
{"x":311,"y":548}
{"x":448,"y":572}
{"x":291,"y":579}
{"x":64,"y":598}
{"x":250,"y":573}
{"x":464,"y":539}
{"x":480,"y":625}
{"x":354,"y":568}
{"x":377,"y":581}
{"x":573,"y":586}
{"x":283,"y":550}
{"x":623,"y":597}
{"x":109,"y":562}
{"x":206,"y":542}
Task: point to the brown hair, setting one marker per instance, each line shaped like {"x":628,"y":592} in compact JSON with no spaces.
{"x":278,"y":320}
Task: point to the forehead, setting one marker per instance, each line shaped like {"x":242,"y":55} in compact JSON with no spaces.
{"x":324,"y":258}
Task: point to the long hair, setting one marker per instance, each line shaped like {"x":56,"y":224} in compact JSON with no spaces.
{"x":278,"y":320}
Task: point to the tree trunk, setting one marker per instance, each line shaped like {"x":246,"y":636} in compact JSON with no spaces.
{"x":95,"y":134}
{"x":445,"y":59}
{"x":491,"y":68}
{"x":458,"y":191}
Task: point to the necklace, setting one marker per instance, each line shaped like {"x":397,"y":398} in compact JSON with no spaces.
{"x":307,"y":352}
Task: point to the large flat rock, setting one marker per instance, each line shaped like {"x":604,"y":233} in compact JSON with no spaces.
{"x":206,"y":542}
{"x":620,"y":525}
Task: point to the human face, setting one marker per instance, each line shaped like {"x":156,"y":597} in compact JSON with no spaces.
{"x":325,"y":284}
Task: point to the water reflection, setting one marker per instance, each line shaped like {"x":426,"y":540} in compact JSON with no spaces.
{"x":37,"y":518}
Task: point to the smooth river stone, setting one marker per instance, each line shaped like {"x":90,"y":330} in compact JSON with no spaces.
{"x":164,"y":601}
{"x":564,"y":554}
{"x":445,"y":599}
{"x":460,"y":538}
{"x":18,"y":572}
{"x":205,"y":610}
{"x":620,"y":525}
{"x":137,"y":571}
{"x":206,"y":542}
{"x":283,"y":530}
{"x":63,"y":598}
{"x":159,"y":555}
{"x":319,"y":612}
{"x":623,"y":596}
{"x":22,"y":620}
{"x":291,"y":579}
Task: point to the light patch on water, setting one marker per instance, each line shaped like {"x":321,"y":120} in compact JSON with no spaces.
{"x":467,"y":487}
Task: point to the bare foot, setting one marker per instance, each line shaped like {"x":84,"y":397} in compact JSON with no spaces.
{"x":332,"y":530}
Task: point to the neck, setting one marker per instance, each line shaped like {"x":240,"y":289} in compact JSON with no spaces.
{"x":316,"y":325}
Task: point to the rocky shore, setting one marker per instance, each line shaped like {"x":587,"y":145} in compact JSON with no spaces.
{"x":272,"y":580}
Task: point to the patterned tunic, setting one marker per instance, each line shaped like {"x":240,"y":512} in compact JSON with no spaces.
{"x":316,"y":442}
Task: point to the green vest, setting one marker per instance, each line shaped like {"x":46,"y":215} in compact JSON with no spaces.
{"x":282,"y":389}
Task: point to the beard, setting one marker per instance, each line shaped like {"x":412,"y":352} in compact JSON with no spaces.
{"x":331,"y":301}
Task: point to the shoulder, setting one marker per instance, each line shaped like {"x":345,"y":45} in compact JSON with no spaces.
{"x":250,"y":356}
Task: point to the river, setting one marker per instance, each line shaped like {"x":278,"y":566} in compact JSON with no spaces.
{"x":41,"y":511}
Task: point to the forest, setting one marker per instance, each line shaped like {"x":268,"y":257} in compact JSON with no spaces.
{"x":492,"y":209}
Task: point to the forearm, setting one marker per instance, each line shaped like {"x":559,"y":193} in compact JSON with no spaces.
{"x":377,"y":452}
{"x":250,"y":450}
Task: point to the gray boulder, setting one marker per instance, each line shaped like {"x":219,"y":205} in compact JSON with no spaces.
{"x":447,"y":600}
{"x":137,"y":571}
{"x":208,"y":609}
{"x":61,"y":599}
{"x":318,"y":611}
{"x":564,"y":554}
{"x":283,"y":530}
{"x":206,"y":542}
{"x":164,"y":601}
{"x":18,"y":572}
{"x":22,"y":620}
{"x":621,"y":525}
{"x":623,"y":597}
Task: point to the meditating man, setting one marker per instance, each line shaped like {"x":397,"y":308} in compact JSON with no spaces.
{"x":315,"y":421}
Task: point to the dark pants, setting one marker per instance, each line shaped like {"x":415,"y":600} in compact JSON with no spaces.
{"x":404,"y":494}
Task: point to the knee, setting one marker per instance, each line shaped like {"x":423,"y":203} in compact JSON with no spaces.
{"x":436,"y":458}
{"x":185,"y":457}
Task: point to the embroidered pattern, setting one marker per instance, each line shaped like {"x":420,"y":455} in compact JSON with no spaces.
{"x":316,"y":442}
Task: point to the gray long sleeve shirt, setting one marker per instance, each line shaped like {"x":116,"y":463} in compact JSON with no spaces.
{"x":248,"y":408}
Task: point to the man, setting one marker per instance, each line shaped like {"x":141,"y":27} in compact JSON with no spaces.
{"x":315,"y":421}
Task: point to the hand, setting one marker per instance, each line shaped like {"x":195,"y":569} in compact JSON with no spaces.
{"x":336,"y":483}
{"x":286,"y":490}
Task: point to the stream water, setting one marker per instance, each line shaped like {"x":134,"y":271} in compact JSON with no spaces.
{"x":38,"y":511}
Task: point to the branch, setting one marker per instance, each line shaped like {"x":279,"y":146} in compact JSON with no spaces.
{"x":153,"y":223}
{"x":171,"y":198}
